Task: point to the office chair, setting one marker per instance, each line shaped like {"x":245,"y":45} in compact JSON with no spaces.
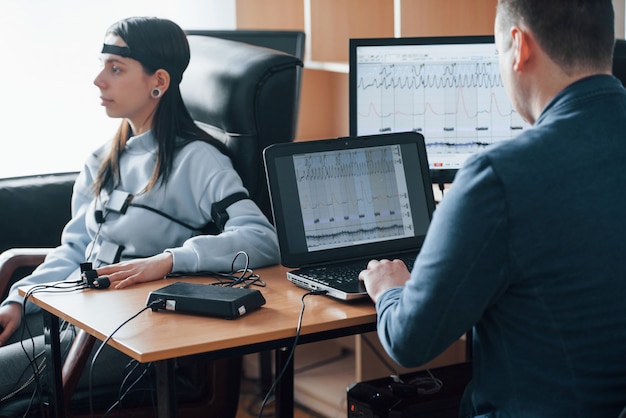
{"x":245,"y":96}
{"x":291,"y":42}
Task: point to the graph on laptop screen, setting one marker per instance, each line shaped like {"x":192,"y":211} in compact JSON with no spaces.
{"x":447,"y":88}
{"x":353,"y":196}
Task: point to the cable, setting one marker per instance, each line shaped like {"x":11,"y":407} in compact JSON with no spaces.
{"x":243,"y":271}
{"x":342,"y":355}
{"x":169,"y":217}
{"x":244,"y":276}
{"x":130,"y":386}
{"x":380,"y":356}
{"x":103,"y":344}
{"x":95,"y":238}
{"x":28,"y":381}
{"x":427,"y":385}
{"x":291,"y":353}
{"x":33,"y":356}
{"x":442,"y":189}
{"x":423,"y":385}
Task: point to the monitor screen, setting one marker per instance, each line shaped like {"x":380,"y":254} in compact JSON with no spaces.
{"x":448,"y":89}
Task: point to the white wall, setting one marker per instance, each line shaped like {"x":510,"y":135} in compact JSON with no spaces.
{"x":620,"y":18}
{"x":50,"y":115}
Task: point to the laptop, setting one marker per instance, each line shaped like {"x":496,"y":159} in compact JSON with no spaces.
{"x":338,"y":203}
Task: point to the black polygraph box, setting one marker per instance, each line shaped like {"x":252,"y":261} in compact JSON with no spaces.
{"x":205,"y":299}
{"x":434,"y":393}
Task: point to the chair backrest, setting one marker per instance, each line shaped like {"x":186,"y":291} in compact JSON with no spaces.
{"x":34,"y":209}
{"x":247,"y":97}
{"x":290,"y":41}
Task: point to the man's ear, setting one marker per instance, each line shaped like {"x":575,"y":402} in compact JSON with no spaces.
{"x":162,"y":79}
{"x":521,"y":48}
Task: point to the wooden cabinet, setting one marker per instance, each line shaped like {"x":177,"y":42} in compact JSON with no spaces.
{"x":329,"y":24}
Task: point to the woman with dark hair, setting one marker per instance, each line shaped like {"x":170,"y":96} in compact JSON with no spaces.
{"x":142,"y":204}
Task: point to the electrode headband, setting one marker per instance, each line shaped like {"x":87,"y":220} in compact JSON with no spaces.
{"x":146,"y":59}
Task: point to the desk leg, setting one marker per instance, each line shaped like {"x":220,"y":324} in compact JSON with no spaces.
{"x":53,"y":377}
{"x":265,"y":366}
{"x":284,"y":388}
{"x":166,"y":388}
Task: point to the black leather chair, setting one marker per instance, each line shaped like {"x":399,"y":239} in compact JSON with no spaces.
{"x":245,"y":96}
{"x":246,"y":115}
{"x":291,"y":42}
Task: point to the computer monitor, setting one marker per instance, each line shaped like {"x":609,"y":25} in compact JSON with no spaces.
{"x":447,"y":88}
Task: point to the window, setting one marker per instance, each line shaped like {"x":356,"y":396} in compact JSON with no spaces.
{"x":51,"y":117}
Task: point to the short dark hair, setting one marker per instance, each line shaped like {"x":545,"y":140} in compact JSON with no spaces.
{"x":576,"y":34}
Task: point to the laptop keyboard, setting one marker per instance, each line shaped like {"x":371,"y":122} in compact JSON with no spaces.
{"x":341,"y":274}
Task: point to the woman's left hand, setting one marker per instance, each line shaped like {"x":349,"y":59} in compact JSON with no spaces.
{"x":140,"y":270}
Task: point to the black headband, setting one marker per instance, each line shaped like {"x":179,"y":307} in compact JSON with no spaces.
{"x":147,"y":60}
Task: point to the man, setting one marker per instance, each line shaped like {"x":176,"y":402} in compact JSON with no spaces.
{"x":527,"y":246}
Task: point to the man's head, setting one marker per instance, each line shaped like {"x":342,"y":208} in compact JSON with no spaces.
{"x":578,"y":35}
{"x":545,"y":45}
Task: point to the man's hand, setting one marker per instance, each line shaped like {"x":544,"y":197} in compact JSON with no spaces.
{"x":10,"y":319}
{"x":382,"y":275}
{"x":136,"y":271}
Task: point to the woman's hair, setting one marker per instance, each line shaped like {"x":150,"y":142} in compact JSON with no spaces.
{"x":576,"y":34}
{"x":161,"y":44}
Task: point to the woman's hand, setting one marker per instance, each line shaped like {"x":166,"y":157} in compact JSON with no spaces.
{"x":10,"y":319}
{"x":141,"y":270}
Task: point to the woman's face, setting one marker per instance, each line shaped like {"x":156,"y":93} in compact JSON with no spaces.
{"x":125,"y":88}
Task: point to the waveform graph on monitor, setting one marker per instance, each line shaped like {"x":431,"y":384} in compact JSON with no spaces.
{"x":448,"y":89}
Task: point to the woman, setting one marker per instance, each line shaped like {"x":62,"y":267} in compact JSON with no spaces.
{"x":142,"y":201}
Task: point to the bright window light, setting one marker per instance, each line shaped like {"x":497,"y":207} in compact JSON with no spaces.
{"x":51,"y":117}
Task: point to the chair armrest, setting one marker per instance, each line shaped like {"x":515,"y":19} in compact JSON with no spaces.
{"x":75,"y":362}
{"x":13,"y":259}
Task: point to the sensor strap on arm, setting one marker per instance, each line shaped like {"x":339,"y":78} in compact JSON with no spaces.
{"x":218,"y":209}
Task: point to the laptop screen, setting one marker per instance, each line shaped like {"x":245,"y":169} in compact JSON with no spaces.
{"x":348,"y":198}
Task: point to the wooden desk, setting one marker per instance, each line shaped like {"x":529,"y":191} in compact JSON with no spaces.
{"x":162,"y":336}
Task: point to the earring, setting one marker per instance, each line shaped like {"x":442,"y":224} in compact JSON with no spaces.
{"x":155,"y":93}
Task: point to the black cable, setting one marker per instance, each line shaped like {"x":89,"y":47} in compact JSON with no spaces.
{"x":380,"y":356}
{"x":423,"y":385}
{"x":243,"y":271}
{"x":291,"y":353}
{"x":170,"y":217}
{"x":342,"y":355}
{"x":32,"y":361}
{"x":95,"y":356}
{"x":442,"y":189}
{"x":95,"y":238}
{"x":130,"y":387}
{"x":244,"y":276}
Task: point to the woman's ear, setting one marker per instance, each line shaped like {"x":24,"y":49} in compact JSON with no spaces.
{"x":162,"y":80}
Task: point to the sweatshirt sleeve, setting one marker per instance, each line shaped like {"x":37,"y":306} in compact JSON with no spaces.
{"x":247,"y":228}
